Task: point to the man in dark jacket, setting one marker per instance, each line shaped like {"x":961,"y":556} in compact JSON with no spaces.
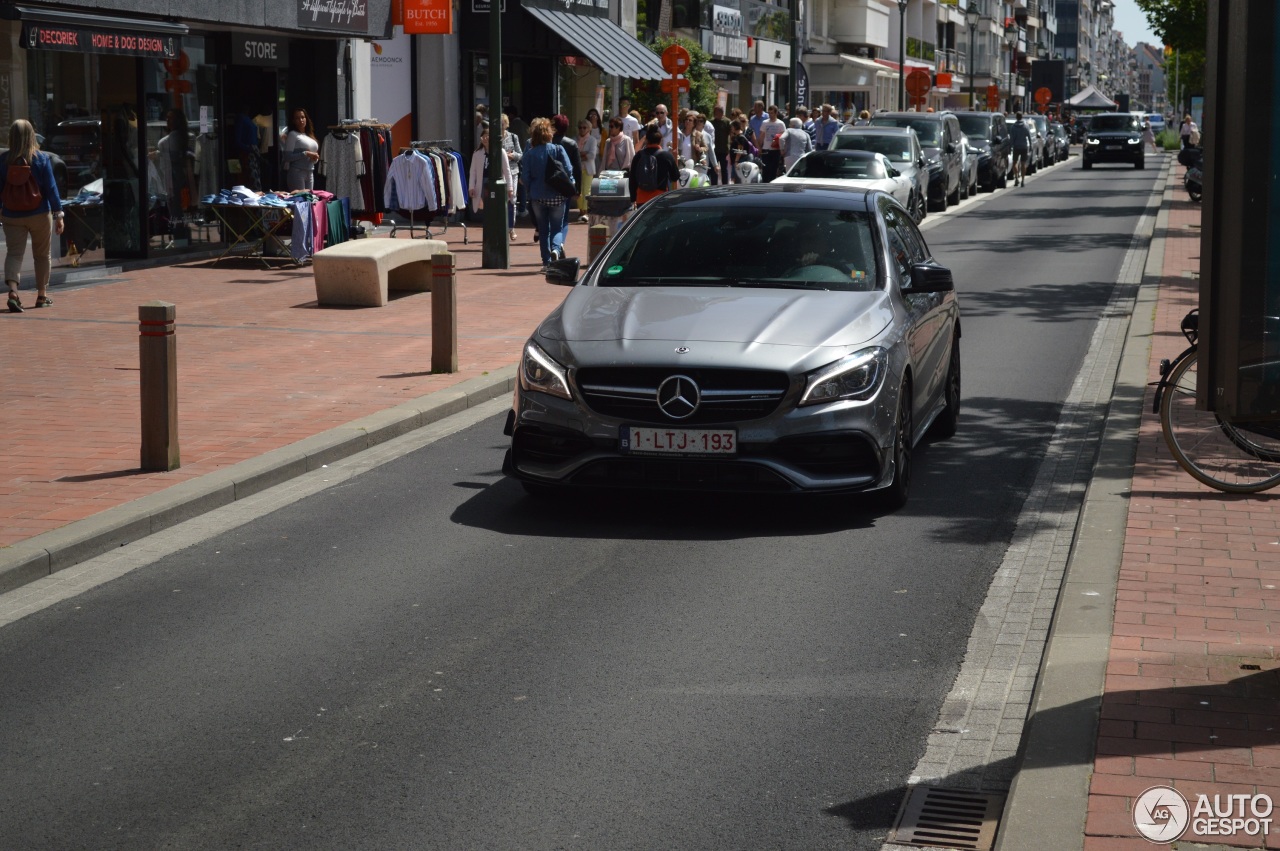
{"x":653,"y":169}
{"x":561,"y":124}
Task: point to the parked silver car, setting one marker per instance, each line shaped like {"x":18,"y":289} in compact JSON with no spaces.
{"x":743,"y":338}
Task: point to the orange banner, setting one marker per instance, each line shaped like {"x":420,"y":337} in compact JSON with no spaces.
{"x":428,"y":17}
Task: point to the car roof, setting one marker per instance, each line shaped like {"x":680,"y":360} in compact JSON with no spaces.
{"x":910,"y":115}
{"x":879,"y":130}
{"x":788,"y":195}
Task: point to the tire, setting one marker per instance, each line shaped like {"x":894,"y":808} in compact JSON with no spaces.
{"x":1004,"y":180}
{"x":944,"y":427}
{"x":1140,"y":163}
{"x":895,"y":495}
{"x":922,"y":209}
{"x":1215,"y":453}
{"x":1086,"y":165}
{"x":963,"y":190}
{"x":1194,"y":196}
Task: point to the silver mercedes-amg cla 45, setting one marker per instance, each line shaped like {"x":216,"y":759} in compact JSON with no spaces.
{"x":748,"y":339}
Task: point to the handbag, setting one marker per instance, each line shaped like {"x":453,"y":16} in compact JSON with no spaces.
{"x":557,"y":178}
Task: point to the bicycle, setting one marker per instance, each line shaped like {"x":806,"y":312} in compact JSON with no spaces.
{"x":1234,"y":458}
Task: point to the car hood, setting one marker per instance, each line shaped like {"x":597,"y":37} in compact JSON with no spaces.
{"x":748,"y":317}
{"x":1113,"y":134}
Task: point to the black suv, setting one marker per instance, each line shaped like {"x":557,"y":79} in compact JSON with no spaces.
{"x":939,"y":134}
{"x":987,"y":133}
{"x":1114,"y":137}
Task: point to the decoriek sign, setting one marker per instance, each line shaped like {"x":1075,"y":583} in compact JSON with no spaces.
{"x":37,"y":36}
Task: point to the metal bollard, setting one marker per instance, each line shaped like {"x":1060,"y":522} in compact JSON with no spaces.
{"x":597,"y":236}
{"x":158,"y":379}
{"x":444,"y":313}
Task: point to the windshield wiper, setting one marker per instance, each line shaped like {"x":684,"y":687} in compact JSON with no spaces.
{"x":780,"y":284}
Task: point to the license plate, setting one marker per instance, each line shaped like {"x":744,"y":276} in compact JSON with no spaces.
{"x":1113,"y":147}
{"x":641,"y":440}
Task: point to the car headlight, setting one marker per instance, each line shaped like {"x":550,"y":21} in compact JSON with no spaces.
{"x":1092,"y":141}
{"x":538,"y":371}
{"x":1133,"y":141}
{"x":856,"y":376}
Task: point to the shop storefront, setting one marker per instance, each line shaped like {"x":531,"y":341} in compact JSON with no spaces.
{"x":725,"y":39}
{"x":554,"y":56}
{"x":850,"y":83}
{"x":142,"y":114}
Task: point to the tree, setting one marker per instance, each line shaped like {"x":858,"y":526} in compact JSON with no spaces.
{"x":702,"y":88}
{"x":1181,"y":24}
{"x":1189,"y":78}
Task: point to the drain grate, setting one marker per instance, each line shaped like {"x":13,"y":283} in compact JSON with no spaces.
{"x":948,"y":818}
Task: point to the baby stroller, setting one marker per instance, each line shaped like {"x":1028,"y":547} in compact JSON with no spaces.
{"x":610,"y":199}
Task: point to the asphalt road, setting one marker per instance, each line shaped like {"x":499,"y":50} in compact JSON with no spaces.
{"x":422,"y":657}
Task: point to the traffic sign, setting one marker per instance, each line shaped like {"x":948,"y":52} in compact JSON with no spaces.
{"x":1043,"y":95}
{"x":993,"y":96}
{"x":919,"y":83}
{"x":679,"y":84}
{"x":675,"y":59}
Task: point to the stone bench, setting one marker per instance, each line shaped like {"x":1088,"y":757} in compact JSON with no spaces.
{"x":360,"y":272}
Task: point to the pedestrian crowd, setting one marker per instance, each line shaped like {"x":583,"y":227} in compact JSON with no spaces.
{"x":723,"y":147}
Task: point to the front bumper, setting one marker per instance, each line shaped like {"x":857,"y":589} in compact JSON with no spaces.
{"x":835,"y":448}
{"x":1107,"y":152}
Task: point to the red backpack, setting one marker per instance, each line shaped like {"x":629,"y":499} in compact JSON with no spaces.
{"x":21,"y":192}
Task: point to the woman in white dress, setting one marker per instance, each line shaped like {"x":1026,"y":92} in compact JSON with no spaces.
{"x":588,"y":151}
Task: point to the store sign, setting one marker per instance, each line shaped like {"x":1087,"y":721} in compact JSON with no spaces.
{"x":89,"y":40}
{"x":350,"y":16}
{"x":483,"y":6}
{"x":428,"y":17}
{"x":260,"y":51}
{"x":727,"y":20}
{"x":723,"y":46}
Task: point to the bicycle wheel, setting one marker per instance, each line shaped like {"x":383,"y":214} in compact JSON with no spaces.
{"x":1218,"y":454}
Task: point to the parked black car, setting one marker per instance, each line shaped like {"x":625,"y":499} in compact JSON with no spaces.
{"x":987,"y":133}
{"x":1114,"y":137}
{"x":939,"y":134}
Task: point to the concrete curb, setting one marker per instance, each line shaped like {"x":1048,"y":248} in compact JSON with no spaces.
{"x":1049,"y":795}
{"x":61,"y":548}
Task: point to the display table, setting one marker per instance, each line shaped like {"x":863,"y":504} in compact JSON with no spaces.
{"x":84,"y":226}
{"x":249,"y":229}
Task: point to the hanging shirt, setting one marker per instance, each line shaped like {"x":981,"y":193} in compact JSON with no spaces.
{"x":411,"y":183}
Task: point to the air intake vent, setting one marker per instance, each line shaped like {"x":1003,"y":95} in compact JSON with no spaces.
{"x":948,"y":818}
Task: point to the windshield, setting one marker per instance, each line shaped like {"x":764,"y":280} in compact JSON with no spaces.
{"x":739,"y":246}
{"x":976,"y":126}
{"x":896,"y":148}
{"x":1113,"y":124}
{"x":1039,"y":122}
{"x":831,"y":165}
{"x":926,"y":129}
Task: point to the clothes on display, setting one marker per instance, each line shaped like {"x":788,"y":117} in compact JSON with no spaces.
{"x":207,"y":151}
{"x":342,"y":165}
{"x":279,"y":226}
{"x":427,"y":179}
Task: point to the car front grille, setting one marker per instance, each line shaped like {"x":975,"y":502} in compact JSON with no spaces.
{"x":727,"y":395}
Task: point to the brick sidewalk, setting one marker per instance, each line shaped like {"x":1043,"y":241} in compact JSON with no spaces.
{"x":1191,"y":695}
{"x":260,"y":366}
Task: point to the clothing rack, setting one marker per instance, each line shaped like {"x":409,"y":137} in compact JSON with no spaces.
{"x":422,"y":145}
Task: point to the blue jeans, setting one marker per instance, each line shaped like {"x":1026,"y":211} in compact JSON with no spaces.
{"x":548,"y":219}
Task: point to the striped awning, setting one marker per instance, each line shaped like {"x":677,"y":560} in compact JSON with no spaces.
{"x":604,"y":43}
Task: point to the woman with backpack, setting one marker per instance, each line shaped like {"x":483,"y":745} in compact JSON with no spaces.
{"x":29,"y":206}
{"x":546,"y":202}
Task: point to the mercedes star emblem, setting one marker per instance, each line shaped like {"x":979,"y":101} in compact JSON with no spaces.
{"x":682,"y":350}
{"x":678,"y":397}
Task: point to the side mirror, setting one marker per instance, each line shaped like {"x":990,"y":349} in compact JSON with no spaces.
{"x":563,"y":272}
{"x":929,"y":278}
{"x":920,"y":162}
{"x":893,"y":172}
{"x":997,"y":140}
{"x":951,"y":147}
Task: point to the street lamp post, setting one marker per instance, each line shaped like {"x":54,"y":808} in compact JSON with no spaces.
{"x":902,"y":55}
{"x":971,"y":16}
{"x":1011,"y":39}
